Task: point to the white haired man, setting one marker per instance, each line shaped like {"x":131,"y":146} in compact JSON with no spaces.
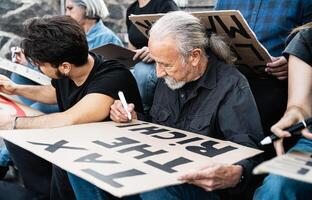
{"x":199,"y":92}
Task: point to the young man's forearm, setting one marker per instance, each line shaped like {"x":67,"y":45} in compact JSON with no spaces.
{"x":44,"y":94}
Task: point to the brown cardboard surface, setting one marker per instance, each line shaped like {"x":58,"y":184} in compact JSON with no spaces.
{"x":126,"y":159}
{"x":230,"y":24}
{"x":295,"y":165}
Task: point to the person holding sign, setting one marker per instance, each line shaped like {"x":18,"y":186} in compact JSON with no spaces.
{"x":84,"y":86}
{"x":198,"y":91}
{"x":144,"y":71}
{"x":299,"y":107}
{"x":90,"y":15}
{"x":271,"y":21}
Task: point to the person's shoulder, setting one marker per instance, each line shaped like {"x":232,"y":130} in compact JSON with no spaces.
{"x":165,"y":5}
{"x":306,"y":34}
{"x":230,"y":75}
{"x":131,"y":7}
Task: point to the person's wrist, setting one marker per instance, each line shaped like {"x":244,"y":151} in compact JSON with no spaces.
{"x":14,"y":121}
{"x":239,"y":170}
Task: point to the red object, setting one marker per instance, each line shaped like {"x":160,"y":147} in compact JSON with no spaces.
{"x":19,"y":112}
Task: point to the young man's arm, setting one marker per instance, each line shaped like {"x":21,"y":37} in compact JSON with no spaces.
{"x":42,"y":93}
{"x":92,"y":108}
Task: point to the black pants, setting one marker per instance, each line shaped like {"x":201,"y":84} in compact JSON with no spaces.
{"x":40,"y":176}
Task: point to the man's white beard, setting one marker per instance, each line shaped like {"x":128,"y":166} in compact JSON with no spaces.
{"x":173,"y":84}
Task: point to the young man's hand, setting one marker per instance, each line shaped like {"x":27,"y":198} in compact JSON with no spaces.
{"x":7,"y":86}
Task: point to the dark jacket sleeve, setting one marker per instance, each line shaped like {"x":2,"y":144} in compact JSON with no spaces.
{"x":239,"y":121}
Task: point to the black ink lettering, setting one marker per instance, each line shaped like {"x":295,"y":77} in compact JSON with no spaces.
{"x":92,"y":158}
{"x":208,"y":150}
{"x":173,"y":135}
{"x":141,"y":148}
{"x":147,"y":26}
{"x":130,"y":125}
{"x":149,"y":130}
{"x":253,"y":49}
{"x":123,"y":141}
{"x":309,"y":163}
{"x":233,"y":30}
{"x":56,"y":146}
{"x":190,"y":140}
{"x":212,"y":24}
{"x":303,"y":171}
{"x":168,"y":166}
{"x":110,"y":179}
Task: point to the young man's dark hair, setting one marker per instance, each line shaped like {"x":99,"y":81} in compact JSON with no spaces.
{"x":69,"y":41}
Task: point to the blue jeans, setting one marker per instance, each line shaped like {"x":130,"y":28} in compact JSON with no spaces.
{"x":85,"y":190}
{"x":281,"y":188}
{"x":145,"y":76}
{"x":5,"y":158}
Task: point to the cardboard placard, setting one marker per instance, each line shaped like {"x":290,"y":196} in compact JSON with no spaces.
{"x":25,"y":72}
{"x":12,"y":107}
{"x":295,"y":165}
{"x":230,"y":24}
{"x":115,"y":52}
{"x":125,"y":159}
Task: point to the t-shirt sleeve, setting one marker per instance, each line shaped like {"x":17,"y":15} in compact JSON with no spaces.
{"x":167,"y":6}
{"x":301,"y":46}
{"x":53,"y":83}
{"x":117,"y":79}
{"x":110,"y":83}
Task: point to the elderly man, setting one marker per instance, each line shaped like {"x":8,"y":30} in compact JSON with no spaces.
{"x":84,"y":86}
{"x":199,"y":92}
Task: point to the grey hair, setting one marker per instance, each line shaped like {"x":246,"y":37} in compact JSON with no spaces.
{"x":94,"y":8}
{"x":189,"y":33}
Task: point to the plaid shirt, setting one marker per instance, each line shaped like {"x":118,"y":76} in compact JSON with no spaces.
{"x":271,"y":20}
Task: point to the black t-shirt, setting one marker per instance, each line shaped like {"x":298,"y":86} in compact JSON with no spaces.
{"x":106,"y":77}
{"x":301,"y":46}
{"x":136,"y":38}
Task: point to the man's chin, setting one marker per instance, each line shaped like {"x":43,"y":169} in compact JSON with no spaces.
{"x":173,"y":84}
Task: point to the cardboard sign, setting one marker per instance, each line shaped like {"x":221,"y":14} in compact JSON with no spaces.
{"x":25,"y":72}
{"x":295,"y":165}
{"x":230,"y":24}
{"x":125,"y":159}
{"x":115,"y":52}
{"x":9,"y":106}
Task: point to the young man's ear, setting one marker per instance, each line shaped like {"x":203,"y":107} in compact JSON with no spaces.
{"x":65,"y":68}
{"x":195,"y":56}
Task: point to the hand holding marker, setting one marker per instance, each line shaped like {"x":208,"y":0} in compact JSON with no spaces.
{"x":293,"y":130}
{"x":124,"y":103}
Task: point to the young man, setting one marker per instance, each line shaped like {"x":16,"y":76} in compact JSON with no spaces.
{"x":84,"y":86}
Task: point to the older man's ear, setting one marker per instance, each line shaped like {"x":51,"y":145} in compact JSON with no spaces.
{"x":195,"y":57}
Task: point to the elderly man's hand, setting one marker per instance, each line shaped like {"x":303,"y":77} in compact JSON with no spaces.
{"x":6,"y":121}
{"x":278,"y":67}
{"x":119,"y":114}
{"x":215,"y":176}
{"x":7,"y":86}
{"x":143,"y":54}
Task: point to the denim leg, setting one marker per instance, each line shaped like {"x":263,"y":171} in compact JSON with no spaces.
{"x":278,"y":187}
{"x":45,"y":108}
{"x":24,"y":81}
{"x":5,"y":158}
{"x":85,"y":190}
{"x":180,"y":192}
{"x":145,"y":76}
